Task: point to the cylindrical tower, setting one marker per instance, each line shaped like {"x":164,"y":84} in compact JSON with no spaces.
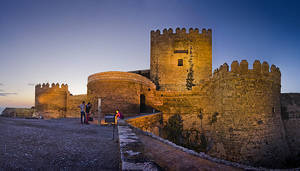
{"x":109,"y":91}
{"x":246,"y":123}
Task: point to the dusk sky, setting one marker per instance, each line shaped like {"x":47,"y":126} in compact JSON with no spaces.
{"x":65,"y":41}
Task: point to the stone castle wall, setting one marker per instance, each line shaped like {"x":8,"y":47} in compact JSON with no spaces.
{"x":241,"y":114}
{"x":247,"y":126}
{"x":119,"y":90}
{"x":73,"y":111}
{"x":56,"y":101}
{"x":290,"y":105}
{"x":51,"y":102}
{"x":150,"y":123}
{"x":238,"y":110}
{"x":18,"y":112}
{"x":180,"y":60}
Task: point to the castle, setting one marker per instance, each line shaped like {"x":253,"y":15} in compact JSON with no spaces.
{"x":240,"y":107}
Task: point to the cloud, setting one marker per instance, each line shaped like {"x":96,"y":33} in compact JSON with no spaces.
{"x":1,"y":84}
{"x":7,"y":94}
{"x":1,"y":90}
{"x":31,"y":84}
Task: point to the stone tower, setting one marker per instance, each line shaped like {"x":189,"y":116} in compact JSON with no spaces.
{"x":180,"y":60}
{"x":51,"y":102}
{"x":248,"y":127}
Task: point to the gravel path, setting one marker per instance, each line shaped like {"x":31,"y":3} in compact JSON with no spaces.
{"x":58,"y":144}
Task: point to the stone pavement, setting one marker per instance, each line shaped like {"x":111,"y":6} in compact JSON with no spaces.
{"x":57,"y":144}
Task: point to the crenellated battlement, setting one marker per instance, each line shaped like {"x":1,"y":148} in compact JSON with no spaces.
{"x":46,"y":86}
{"x":181,"y":31}
{"x":236,"y":108}
{"x":259,"y":70}
{"x":51,"y":99}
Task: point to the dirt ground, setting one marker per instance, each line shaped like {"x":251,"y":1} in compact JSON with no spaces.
{"x":57,"y":144}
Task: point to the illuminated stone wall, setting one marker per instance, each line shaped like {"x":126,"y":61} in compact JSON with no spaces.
{"x":51,"y":102}
{"x":73,"y":111}
{"x":56,"y":101}
{"x":180,"y":60}
{"x":119,"y":90}
{"x":237,"y":109}
{"x":248,"y":127}
{"x":150,"y":123}
{"x":240,"y":108}
{"x":240,"y":113}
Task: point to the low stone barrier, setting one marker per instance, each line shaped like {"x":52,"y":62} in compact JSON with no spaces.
{"x":148,"y":122}
{"x":18,"y":112}
{"x":131,"y":150}
{"x":200,"y":154}
{"x":142,"y":124}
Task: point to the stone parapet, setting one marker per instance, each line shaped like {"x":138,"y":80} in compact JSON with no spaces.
{"x":150,"y":122}
{"x":188,"y":151}
{"x":259,"y":71}
{"x":121,"y":76}
{"x":181,"y":32}
{"x":132,"y":152}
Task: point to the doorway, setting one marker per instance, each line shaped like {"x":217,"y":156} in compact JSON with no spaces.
{"x":142,"y":103}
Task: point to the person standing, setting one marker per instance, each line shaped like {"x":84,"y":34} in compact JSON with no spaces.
{"x":82,"y":113}
{"x":88,"y":110}
{"x":119,"y":114}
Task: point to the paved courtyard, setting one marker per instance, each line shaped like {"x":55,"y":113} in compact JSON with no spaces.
{"x":57,"y":144}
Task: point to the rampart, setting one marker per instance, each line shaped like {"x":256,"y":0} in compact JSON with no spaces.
{"x":149,"y":123}
{"x":51,"y":102}
{"x":247,"y":124}
{"x":240,"y":113}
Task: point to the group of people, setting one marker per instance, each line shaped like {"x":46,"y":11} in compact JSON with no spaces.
{"x":85,"y":112}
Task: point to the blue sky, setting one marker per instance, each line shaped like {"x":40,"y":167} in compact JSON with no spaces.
{"x":67,"y":40}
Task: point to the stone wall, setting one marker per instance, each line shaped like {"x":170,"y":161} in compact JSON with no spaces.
{"x":150,"y":123}
{"x":120,"y":90}
{"x":51,"y":102}
{"x":247,"y":124}
{"x":145,"y":73}
{"x":180,"y":60}
{"x":290,"y":105}
{"x":73,"y":111}
{"x":240,"y":113}
{"x":18,"y":112}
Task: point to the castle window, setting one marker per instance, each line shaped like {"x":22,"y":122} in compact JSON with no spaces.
{"x":181,"y":51}
{"x":180,"y":62}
